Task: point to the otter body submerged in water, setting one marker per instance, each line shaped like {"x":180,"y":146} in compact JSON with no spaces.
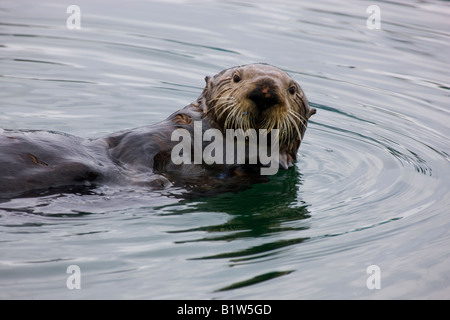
{"x":255,"y":96}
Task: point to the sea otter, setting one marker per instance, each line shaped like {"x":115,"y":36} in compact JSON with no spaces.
{"x":257,"y":97}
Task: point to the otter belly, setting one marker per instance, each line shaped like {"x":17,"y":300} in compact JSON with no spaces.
{"x":32,"y":160}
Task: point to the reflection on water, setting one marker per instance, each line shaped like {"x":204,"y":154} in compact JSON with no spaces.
{"x":258,"y":212}
{"x":255,"y":280}
{"x":370,"y":185}
{"x":264,"y":210}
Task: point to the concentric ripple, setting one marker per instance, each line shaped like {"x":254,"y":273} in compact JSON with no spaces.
{"x":367,"y":169}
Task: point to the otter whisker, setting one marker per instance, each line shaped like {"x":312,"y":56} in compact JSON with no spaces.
{"x":294,"y":124}
{"x":286,"y":129}
{"x":231,"y":117}
{"x":230,"y":108}
{"x":224,"y":107}
{"x":300,"y":118}
{"x":224,"y":98}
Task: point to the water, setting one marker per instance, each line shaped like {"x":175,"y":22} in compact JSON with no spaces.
{"x":371,"y":186}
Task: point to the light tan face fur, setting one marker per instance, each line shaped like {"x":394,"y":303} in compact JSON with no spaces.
{"x":258,"y":96}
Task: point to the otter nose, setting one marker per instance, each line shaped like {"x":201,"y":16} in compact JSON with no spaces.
{"x":264,"y":95}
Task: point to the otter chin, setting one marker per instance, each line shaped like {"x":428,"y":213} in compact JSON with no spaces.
{"x":248,"y":99}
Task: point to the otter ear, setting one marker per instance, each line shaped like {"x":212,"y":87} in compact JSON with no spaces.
{"x":311,"y":112}
{"x":202,"y":99}
{"x":208,"y":81}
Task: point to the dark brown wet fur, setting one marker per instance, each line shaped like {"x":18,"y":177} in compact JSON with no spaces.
{"x":34,"y":161}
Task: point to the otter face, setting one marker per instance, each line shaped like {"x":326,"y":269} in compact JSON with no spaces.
{"x":258,"y":96}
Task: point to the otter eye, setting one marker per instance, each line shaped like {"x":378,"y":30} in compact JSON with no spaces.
{"x":292,"y":89}
{"x":236,"y":78}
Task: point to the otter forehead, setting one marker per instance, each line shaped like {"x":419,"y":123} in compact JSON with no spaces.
{"x":254,"y":71}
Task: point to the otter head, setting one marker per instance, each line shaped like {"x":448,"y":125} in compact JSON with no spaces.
{"x":259,"y":96}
